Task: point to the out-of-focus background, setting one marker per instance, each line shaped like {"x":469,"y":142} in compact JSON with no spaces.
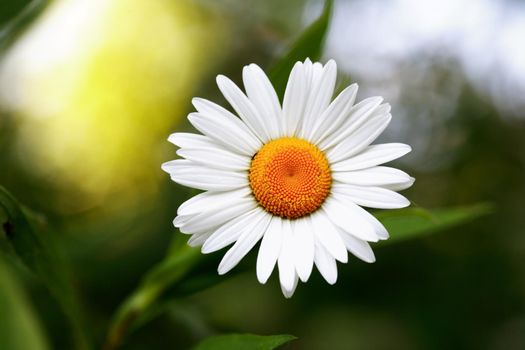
{"x":90,"y":90}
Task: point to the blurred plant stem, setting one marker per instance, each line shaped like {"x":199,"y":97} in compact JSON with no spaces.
{"x":163,"y":276}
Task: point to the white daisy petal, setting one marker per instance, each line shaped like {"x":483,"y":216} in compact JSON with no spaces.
{"x":248,"y":239}
{"x":400,"y":186}
{"x":172,"y":165}
{"x":230,"y":231}
{"x":186,"y":139}
{"x":360,"y":139}
{"x":197,"y":176}
{"x":327,"y":234}
{"x":308,"y":72}
{"x":198,"y":239}
{"x":358,"y":114}
{"x":323,"y":85}
{"x":359,"y":248}
{"x":373,"y":197}
{"x":213,"y":181}
{"x":304,"y":248}
{"x":211,"y":200}
{"x":347,"y":218}
{"x":325,"y":264}
{"x":216,"y":158}
{"x":285,"y":261}
{"x":373,"y":155}
{"x":244,"y":107}
{"x":181,"y":219}
{"x":269,"y":250}
{"x":207,"y":221}
{"x":289,"y":293}
{"x":263,"y":96}
{"x":335,"y":114}
{"x":312,"y":73}
{"x":294,"y":100}
{"x":379,"y":229}
{"x":223,"y":127}
{"x":375,"y":176}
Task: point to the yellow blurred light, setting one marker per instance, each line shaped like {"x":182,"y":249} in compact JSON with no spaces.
{"x":98,"y":85}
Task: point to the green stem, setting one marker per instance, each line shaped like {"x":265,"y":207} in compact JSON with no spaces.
{"x":160,"y":277}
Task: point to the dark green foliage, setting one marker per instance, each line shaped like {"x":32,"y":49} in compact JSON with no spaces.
{"x":25,"y":234}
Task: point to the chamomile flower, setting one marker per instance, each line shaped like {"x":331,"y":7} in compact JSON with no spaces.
{"x":294,"y":177}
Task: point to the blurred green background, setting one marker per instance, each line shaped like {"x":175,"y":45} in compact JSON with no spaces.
{"x":90,"y":90}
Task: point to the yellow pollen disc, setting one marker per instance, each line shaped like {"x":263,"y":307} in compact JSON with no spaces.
{"x":290,"y":177}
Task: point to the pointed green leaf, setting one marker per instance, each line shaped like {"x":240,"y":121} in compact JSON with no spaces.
{"x":244,"y":342}
{"x":416,"y":222}
{"x":309,"y":45}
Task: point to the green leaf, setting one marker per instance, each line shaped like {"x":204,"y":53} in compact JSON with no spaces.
{"x":308,"y":45}
{"x":19,"y":326}
{"x":244,"y":342}
{"x":23,"y":231}
{"x":415,"y":222}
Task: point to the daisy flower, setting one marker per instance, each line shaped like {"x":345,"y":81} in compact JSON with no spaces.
{"x":294,"y":177}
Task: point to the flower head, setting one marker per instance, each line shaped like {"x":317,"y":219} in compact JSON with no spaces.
{"x":293,"y":177}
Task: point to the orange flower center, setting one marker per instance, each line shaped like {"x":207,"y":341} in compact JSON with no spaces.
{"x":290,"y":177}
